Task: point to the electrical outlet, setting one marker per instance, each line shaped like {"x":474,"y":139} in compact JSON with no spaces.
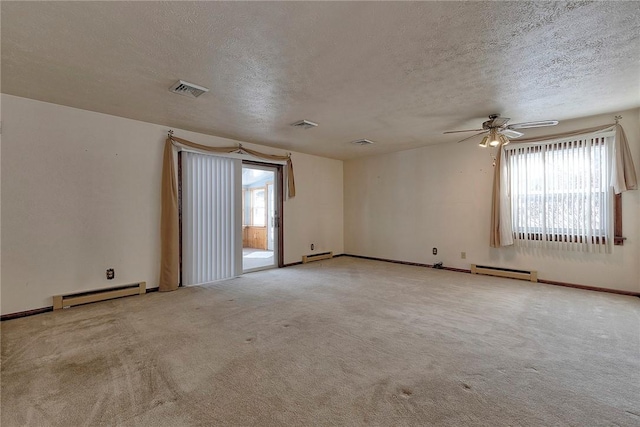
{"x":463,"y":255}
{"x":435,"y":251}
{"x":111,"y":273}
{"x":313,"y":246}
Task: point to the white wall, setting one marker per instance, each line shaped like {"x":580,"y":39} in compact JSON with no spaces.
{"x":399,"y":206}
{"x":316,"y":214}
{"x":81,"y":193}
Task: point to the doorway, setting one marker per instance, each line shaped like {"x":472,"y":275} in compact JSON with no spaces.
{"x":261,"y":219}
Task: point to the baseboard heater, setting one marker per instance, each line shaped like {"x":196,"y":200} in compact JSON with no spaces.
{"x":85,"y":297}
{"x":316,"y":257}
{"x":530,"y":275}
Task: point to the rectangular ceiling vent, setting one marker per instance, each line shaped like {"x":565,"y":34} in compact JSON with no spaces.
{"x":362,"y":142}
{"x":304,"y":124}
{"x":187,"y":89}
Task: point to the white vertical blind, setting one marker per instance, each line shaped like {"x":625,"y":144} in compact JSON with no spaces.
{"x":560,"y":193}
{"x":211,"y":218}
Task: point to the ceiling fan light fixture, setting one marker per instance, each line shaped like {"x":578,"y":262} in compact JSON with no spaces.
{"x":493,"y":138}
{"x":499,"y":139}
{"x":499,"y":132}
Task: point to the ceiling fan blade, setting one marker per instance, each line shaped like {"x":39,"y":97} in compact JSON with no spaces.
{"x":499,"y":121}
{"x":462,"y":140}
{"x":468,"y":130}
{"x":527,"y":125}
{"x":511,"y":134}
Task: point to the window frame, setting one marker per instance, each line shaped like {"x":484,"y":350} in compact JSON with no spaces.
{"x":253,"y":197}
{"x":618,"y":238}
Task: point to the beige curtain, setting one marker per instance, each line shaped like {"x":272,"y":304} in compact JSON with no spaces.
{"x":501,"y":234}
{"x":623,"y":178}
{"x":624,"y":172}
{"x":169,"y":223}
{"x":169,"y":219}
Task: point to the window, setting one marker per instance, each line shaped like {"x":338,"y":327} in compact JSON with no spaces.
{"x":258,"y":207}
{"x":560,"y":193}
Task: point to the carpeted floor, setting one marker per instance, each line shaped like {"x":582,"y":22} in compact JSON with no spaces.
{"x":338,"y":342}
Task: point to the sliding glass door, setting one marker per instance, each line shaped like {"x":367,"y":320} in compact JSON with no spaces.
{"x":260,"y":217}
{"x":229,"y":214}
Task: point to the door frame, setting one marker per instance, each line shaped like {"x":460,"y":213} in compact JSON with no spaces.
{"x":270,"y":187}
{"x":278,"y":187}
{"x":180,"y":216}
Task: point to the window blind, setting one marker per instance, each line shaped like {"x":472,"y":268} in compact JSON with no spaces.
{"x":211,"y":218}
{"x":560,"y":193}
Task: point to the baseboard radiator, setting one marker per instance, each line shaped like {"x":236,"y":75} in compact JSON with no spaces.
{"x":316,"y":257}
{"x":530,"y":275}
{"x":85,"y":297}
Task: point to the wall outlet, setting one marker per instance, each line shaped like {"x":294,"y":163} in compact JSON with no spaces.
{"x":435,"y":251}
{"x":463,"y":255}
{"x":111,"y":273}
{"x":313,"y":246}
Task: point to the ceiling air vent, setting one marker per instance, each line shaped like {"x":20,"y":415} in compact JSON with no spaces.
{"x":362,"y":142}
{"x":304,"y":124}
{"x":187,"y":89}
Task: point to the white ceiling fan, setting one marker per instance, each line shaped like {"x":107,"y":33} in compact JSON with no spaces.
{"x":499,"y":132}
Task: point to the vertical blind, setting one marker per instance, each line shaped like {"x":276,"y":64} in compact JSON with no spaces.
{"x":211,"y":218}
{"x":560,"y":193}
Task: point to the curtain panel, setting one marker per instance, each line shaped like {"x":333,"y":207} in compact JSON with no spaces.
{"x":169,"y":217}
{"x":622,"y":178}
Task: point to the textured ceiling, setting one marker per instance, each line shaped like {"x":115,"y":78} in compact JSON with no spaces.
{"x":397,"y":73}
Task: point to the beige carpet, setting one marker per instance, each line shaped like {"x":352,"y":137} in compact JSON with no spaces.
{"x":338,"y":342}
